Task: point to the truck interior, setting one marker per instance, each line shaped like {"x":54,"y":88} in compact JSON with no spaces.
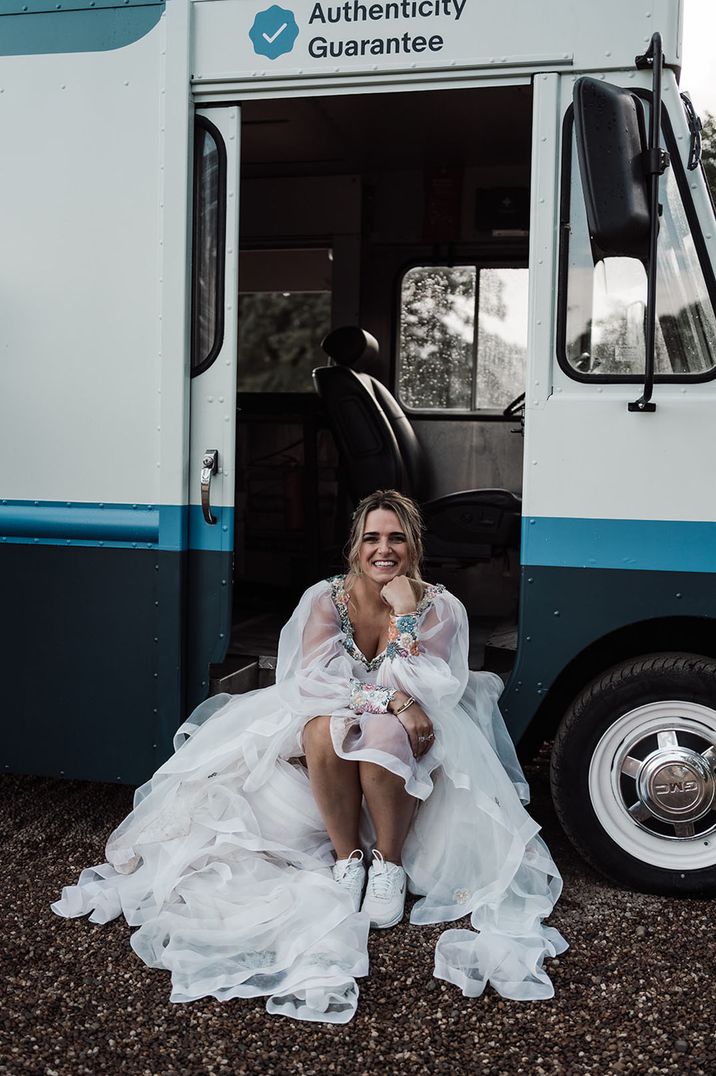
{"x":396,"y":226}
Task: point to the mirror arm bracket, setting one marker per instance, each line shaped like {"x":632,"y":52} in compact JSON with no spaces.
{"x":655,"y":162}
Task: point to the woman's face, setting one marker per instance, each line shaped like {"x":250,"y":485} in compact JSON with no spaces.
{"x":384,"y":547}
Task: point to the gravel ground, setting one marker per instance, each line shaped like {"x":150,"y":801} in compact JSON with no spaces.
{"x":634,"y":993}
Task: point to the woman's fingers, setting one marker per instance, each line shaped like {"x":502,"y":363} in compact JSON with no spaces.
{"x":419,"y":728}
{"x":422,"y":740}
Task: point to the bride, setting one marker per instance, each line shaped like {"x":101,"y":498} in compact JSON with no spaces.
{"x":243,"y":863}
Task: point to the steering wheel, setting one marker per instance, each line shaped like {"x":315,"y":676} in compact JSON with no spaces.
{"x":516,"y":407}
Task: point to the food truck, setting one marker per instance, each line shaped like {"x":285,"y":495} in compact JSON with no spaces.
{"x":495,"y":217}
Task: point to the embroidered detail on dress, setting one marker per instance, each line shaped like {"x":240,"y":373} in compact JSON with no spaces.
{"x":340,"y":600}
{"x":461,"y":896}
{"x":367,"y":698}
{"x":403,"y":636}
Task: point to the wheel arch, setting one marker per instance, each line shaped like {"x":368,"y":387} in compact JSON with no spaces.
{"x":688,"y":634}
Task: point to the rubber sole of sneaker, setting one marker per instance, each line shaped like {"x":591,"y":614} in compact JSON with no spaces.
{"x":386,"y":926}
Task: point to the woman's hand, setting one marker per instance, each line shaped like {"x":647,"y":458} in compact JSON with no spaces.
{"x":399,"y":595}
{"x":416,"y":723}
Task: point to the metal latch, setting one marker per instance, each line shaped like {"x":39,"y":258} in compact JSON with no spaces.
{"x":209,"y":467}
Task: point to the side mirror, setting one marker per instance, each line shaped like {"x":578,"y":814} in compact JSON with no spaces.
{"x":610,"y":132}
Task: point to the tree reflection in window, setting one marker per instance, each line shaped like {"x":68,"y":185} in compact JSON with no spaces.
{"x":463,"y":337}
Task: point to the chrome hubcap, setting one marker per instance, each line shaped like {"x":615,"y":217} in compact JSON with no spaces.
{"x":673,"y":784}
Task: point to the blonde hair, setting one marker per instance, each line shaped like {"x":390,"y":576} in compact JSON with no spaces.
{"x":411,"y":523}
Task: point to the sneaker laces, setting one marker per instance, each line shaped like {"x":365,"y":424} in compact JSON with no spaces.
{"x":348,"y":864}
{"x":380,"y":878}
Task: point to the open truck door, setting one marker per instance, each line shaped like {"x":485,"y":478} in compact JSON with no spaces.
{"x":101,"y":492}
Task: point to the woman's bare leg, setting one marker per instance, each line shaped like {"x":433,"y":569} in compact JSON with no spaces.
{"x":335,"y":786}
{"x":390,"y":806}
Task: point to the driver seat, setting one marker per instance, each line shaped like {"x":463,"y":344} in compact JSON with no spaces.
{"x":379,"y":450}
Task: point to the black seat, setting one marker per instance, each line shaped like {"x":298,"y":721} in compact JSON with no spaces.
{"x":379,"y":450}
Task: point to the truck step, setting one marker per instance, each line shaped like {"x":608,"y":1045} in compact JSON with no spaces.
{"x":238,"y":674}
{"x":501,"y":650}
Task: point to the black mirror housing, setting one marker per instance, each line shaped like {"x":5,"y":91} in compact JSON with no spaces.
{"x":610,"y":131}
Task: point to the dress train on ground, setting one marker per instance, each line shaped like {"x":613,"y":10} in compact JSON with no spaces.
{"x":223,"y":866}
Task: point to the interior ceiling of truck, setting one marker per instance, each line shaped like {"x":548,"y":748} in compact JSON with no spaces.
{"x":363,"y":132}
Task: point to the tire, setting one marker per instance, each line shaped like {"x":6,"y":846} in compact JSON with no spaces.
{"x":633,"y":778}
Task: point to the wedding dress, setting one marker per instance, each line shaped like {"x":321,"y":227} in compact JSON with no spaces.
{"x":224,"y":863}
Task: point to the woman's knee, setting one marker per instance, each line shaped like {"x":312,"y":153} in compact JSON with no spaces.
{"x":384,"y":732}
{"x":317,"y":736}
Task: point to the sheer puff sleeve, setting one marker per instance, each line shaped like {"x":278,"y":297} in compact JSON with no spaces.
{"x":313,"y":672}
{"x":427,"y":653}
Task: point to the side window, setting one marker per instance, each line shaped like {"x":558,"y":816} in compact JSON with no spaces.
{"x":602,"y":320}
{"x":208,"y":245}
{"x":463,"y":337}
{"x":284,"y":314}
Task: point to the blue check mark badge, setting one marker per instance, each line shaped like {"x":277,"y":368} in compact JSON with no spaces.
{"x":274,"y":32}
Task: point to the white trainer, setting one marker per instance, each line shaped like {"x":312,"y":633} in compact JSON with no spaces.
{"x":350,"y":875}
{"x":384,"y":899}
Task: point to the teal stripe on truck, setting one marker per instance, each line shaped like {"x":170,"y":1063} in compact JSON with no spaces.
{"x":149,"y":526}
{"x":661,"y":545}
{"x":36,"y":27}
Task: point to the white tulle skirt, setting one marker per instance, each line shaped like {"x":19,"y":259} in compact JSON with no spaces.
{"x":224,"y":864}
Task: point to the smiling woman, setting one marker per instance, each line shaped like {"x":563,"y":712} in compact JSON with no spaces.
{"x":242,"y":862}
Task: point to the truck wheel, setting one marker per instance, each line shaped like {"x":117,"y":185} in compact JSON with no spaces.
{"x":633,"y":773}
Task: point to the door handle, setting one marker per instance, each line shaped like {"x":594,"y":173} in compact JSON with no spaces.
{"x":209,"y":467}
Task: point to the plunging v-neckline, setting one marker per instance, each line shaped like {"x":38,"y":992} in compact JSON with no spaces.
{"x":340,"y":600}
